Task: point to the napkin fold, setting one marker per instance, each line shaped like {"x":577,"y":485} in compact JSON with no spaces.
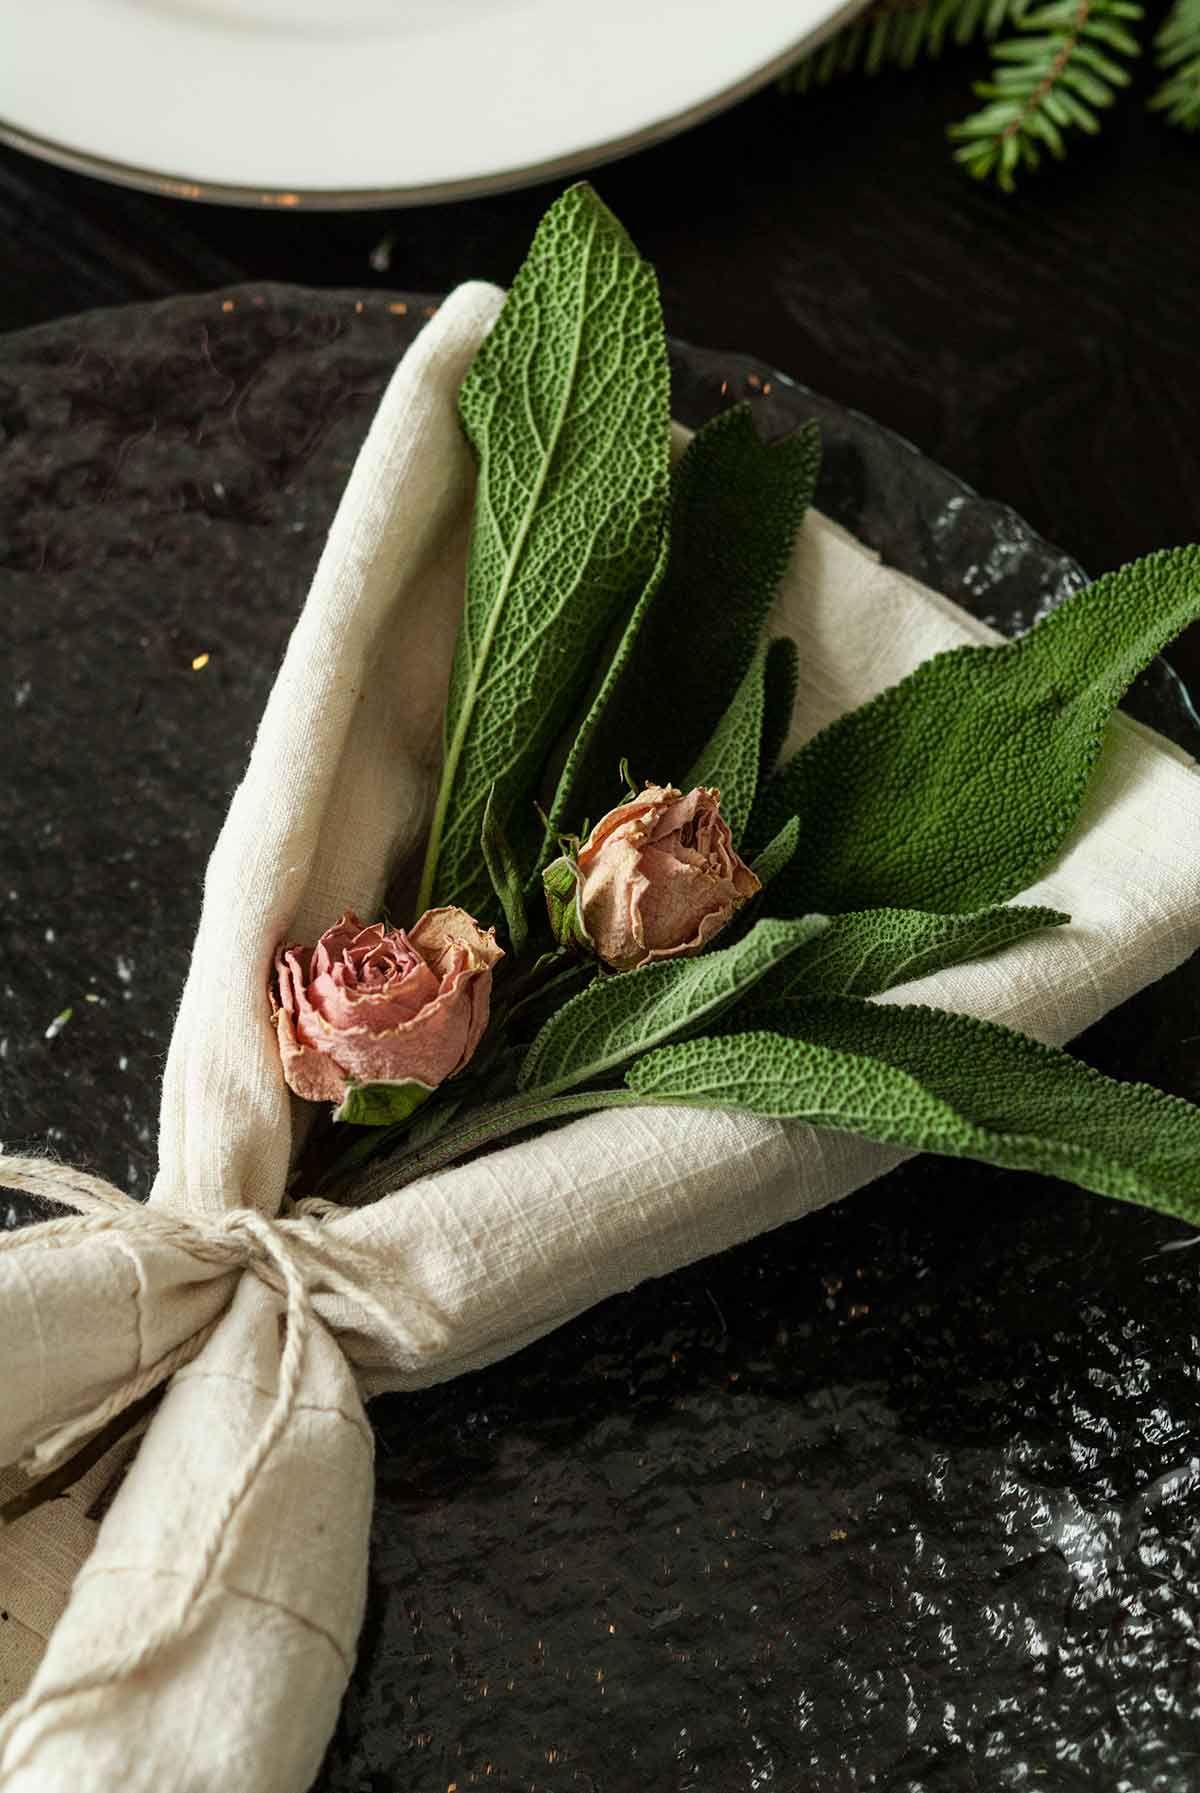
{"x":336,"y":795}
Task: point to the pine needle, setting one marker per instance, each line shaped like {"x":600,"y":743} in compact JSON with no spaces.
{"x":1056,"y":67}
{"x":1055,"y":76}
{"x":898,"y":33}
{"x":1177,"y":48}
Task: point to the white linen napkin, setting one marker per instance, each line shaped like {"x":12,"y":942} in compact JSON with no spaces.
{"x":505,"y":1249}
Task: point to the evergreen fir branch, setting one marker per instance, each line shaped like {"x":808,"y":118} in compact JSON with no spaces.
{"x":896,"y":33}
{"x":1054,"y":77}
{"x":1178,"y":50}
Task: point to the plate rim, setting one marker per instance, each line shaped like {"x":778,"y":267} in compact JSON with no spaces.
{"x":175,"y":185}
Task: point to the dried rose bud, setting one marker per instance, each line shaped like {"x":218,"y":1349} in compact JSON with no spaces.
{"x":658,"y":877}
{"x":381,"y":1005}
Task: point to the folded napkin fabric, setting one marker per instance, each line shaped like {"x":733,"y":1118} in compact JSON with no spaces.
{"x":246,"y":1690}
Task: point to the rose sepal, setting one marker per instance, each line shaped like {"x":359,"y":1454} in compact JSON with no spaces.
{"x":560,"y":881}
{"x":382,"y":1104}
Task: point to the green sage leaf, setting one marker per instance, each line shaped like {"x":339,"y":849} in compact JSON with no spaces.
{"x":954,"y":789}
{"x":431,"y":1121}
{"x":730,"y":759}
{"x":1004,"y":1098}
{"x":505,"y":875}
{"x":794,"y":1079}
{"x":381,"y":1104}
{"x":563,"y":816}
{"x":781,"y":683}
{"x":618,"y":1016}
{"x":479,"y":1127}
{"x":777,"y":853}
{"x":735,"y":509}
{"x":863,"y":954}
{"x":566,"y":407}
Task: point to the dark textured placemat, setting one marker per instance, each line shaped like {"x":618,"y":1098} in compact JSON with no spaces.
{"x":898,"y":1498}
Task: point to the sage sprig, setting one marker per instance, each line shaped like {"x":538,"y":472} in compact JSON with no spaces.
{"x":616,"y":617}
{"x":566,"y":408}
{"x":736,"y":506}
{"x":730,"y":760}
{"x":617,"y":1017}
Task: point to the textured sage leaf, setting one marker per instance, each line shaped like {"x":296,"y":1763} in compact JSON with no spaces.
{"x":1056,"y":1116}
{"x":794,"y":1079}
{"x":955,"y":788}
{"x":781,"y":683}
{"x":432,"y":1120}
{"x":563,"y":816}
{"x":477,"y":1128}
{"x":618,"y":1016}
{"x":777,"y":853}
{"x":1010,"y":1100}
{"x":862,"y":954}
{"x":381,"y":1104}
{"x":735,"y":509}
{"x":730,"y":759}
{"x":505,"y":875}
{"x":566,"y":407}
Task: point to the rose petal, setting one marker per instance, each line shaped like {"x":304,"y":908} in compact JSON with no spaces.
{"x":611,"y":891}
{"x":676,"y":815}
{"x":310,"y":1074}
{"x":401,"y":999}
{"x":641,"y":811}
{"x":677,"y":898}
{"x":335,"y":941}
{"x":452,"y":931}
{"x":429,"y":1048}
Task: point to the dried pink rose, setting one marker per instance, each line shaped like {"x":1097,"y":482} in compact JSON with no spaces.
{"x":658,"y":877}
{"x":382,"y":1005}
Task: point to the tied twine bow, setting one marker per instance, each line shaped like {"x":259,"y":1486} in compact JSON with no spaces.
{"x":293,"y":1256}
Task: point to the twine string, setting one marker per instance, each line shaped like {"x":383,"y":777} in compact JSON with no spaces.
{"x":291,"y":1255}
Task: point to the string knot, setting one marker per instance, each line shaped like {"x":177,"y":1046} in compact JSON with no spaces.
{"x":293,"y":1254}
{"x":296,"y":1255}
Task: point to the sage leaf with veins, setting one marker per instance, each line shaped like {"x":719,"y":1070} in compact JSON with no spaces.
{"x":617,"y":1017}
{"x":950,"y":1084}
{"x":910,"y":1077}
{"x":863,"y":954}
{"x":781,"y":683}
{"x":736,"y":506}
{"x":730,"y":760}
{"x":777,"y":853}
{"x":566,"y":406}
{"x":561,"y":818}
{"x":955,"y":788}
{"x":505,"y":876}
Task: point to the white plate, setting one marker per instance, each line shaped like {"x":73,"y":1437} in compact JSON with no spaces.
{"x":376,"y":102}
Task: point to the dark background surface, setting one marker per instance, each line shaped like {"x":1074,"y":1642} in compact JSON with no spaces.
{"x":1045,"y":347}
{"x":901,"y":1500}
